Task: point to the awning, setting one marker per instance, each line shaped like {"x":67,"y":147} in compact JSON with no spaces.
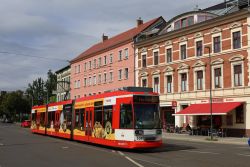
{"x":204,"y":109}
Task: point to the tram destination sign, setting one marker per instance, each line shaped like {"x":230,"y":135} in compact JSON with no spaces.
{"x":146,"y":99}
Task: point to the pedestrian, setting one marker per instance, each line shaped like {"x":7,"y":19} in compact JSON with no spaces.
{"x":249,"y":141}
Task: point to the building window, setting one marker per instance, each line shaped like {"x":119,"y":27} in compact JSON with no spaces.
{"x":144,"y":60}
{"x":94,"y":80}
{"x":99,"y":78}
{"x":236,"y":40}
{"x":90,"y":81}
{"x":217,"y":42}
{"x":169,"y":83}
{"x":217,"y":78}
{"x":169,"y":55}
{"x":94,"y":63}
{"x":184,"y":22}
{"x":156,"y":58}
{"x":190,"y":20}
{"x":156,"y":85}
{"x":90,"y":65}
{"x":239,"y":114}
{"x":177,"y":25}
{"x":126,"y":73}
{"x":85,"y":82}
{"x":105,"y":77}
{"x":120,"y":55}
{"x":111,"y":59}
{"x":79,"y":68}
{"x":111,"y":76}
{"x":237,"y":75}
{"x":183,"y":52}
{"x":119,"y":74}
{"x":99,"y":62}
{"x":184,"y":82}
{"x":144,"y":82}
{"x":126,"y":53}
{"x":199,"y":48}
{"x":105,"y":60}
{"x":199,"y":80}
{"x":85,"y":66}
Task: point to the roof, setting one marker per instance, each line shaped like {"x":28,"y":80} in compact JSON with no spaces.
{"x":116,"y":40}
{"x":204,"y":109}
{"x":63,"y":69}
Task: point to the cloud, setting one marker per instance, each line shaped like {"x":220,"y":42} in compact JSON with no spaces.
{"x":55,"y":29}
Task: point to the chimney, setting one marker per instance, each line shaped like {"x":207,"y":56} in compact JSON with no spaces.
{"x":139,"y":22}
{"x":104,"y":37}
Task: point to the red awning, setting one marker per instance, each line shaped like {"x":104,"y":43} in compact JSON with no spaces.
{"x":204,"y":109}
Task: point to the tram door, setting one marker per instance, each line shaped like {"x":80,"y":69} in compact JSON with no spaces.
{"x":57,"y":121}
{"x":89,"y":122}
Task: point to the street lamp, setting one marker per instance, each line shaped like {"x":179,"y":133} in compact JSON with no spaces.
{"x":210,"y":92}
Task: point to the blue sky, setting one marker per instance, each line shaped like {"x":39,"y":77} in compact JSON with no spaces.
{"x":56,"y":29}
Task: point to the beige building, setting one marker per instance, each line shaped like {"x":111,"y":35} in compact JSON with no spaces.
{"x":63,"y":83}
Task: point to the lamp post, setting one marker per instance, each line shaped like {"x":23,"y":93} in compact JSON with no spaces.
{"x":210,"y":92}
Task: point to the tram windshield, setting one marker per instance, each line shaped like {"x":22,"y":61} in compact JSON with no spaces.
{"x":147,"y":116}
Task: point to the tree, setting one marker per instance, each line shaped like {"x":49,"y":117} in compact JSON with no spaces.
{"x":13,"y":104}
{"x":50,"y":85}
{"x":40,"y":91}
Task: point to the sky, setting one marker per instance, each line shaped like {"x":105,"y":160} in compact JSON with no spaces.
{"x":36,"y":36}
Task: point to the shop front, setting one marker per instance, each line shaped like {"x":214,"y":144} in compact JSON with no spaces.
{"x":228,"y":118}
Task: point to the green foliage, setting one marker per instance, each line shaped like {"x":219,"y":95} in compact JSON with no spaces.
{"x":40,"y":91}
{"x":14,"y":103}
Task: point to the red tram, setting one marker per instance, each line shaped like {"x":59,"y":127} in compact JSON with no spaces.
{"x":128,"y":118}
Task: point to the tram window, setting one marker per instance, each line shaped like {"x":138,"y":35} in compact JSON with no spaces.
{"x":107,"y":114}
{"x":68,"y":119}
{"x":79,"y":119}
{"x":49,"y":119}
{"x":98,"y":115}
{"x":42,"y":119}
{"x":126,"y":116}
{"x":33,"y":116}
{"x":82,"y":116}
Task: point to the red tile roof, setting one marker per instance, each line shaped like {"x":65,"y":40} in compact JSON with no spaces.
{"x":116,"y":40}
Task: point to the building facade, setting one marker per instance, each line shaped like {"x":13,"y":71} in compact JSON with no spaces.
{"x":109,"y":64}
{"x":176,"y":63}
{"x":63,"y":83}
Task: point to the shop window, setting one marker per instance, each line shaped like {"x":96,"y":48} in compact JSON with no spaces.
{"x":239,"y":114}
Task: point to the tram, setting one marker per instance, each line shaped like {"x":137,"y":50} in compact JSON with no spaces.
{"x":125,"y":118}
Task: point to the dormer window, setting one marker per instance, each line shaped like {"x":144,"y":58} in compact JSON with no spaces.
{"x":184,"y":22}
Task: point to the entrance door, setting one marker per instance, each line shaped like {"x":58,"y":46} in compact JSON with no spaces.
{"x":89,"y":122}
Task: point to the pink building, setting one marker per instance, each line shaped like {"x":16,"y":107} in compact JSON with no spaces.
{"x":109,"y":64}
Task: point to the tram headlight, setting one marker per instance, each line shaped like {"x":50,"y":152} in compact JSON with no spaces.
{"x":158,"y":131}
{"x":139,"y":132}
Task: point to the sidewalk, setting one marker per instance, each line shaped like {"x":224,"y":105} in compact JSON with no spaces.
{"x":221,"y":140}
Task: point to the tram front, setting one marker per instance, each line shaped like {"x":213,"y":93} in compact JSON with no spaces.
{"x":147,"y":124}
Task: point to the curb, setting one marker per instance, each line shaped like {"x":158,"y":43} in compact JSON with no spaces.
{"x":181,"y":138}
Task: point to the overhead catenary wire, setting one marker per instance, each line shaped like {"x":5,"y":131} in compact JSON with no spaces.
{"x":33,"y":56}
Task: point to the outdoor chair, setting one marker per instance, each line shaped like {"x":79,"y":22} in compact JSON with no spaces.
{"x":214,"y":132}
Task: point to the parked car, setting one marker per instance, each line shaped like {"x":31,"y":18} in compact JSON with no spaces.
{"x":26,"y":124}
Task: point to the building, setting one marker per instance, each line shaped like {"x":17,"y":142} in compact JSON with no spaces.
{"x":63,"y":83}
{"x":176,"y":63}
{"x":108,"y":65}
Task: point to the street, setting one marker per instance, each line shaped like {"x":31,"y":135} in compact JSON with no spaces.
{"x":18,"y":147}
